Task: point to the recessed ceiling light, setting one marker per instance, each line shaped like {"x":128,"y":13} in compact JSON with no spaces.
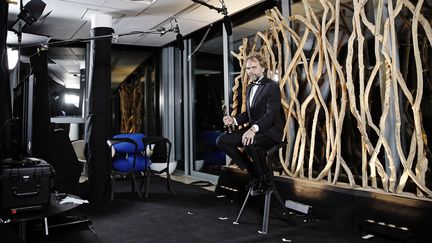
{"x":148,"y":2}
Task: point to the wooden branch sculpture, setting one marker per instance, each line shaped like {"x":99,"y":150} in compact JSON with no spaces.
{"x":131,"y":103}
{"x":318,"y":86}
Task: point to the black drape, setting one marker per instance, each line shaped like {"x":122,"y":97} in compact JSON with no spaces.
{"x":41,"y":108}
{"x":5,"y":102}
{"x":53,"y":146}
{"x":65,"y":162}
{"x":98,"y":120}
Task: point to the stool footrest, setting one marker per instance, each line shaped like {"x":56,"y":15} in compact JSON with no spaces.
{"x":257,"y":193}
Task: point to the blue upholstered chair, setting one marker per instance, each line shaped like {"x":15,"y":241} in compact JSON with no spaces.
{"x":127,"y":159}
{"x":212,"y":155}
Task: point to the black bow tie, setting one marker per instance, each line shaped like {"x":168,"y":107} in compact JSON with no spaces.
{"x":255,"y":83}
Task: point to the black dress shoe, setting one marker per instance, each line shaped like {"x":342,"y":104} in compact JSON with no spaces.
{"x":264,"y":184}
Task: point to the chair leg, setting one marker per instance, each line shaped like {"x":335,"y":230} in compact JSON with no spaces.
{"x":243,"y":206}
{"x":169,"y":184}
{"x":112,"y":187}
{"x":147,"y":184}
{"x":136,"y":185}
{"x":142,"y":181}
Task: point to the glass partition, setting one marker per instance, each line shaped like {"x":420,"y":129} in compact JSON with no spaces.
{"x":206,"y":60}
{"x":208,"y":87}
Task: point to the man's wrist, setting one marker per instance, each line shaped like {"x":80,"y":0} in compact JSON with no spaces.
{"x":254,"y":128}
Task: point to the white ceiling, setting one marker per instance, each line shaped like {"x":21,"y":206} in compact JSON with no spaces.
{"x":70,"y":19}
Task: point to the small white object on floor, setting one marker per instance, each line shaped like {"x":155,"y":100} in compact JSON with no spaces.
{"x":223,"y":218}
{"x":368,"y":236}
{"x":190,"y":213}
{"x":220,"y":196}
{"x":73,"y":200}
{"x":286,"y":240}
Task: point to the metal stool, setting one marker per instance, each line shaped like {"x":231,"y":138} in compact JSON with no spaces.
{"x":268,"y":193}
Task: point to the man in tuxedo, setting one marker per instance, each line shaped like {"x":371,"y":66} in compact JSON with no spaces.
{"x":262,"y":125}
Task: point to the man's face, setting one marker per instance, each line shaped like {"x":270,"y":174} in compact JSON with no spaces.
{"x":254,"y":69}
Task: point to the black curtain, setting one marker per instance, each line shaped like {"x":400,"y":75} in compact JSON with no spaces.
{"x":41,"y":107}
{"x":5,"y":102}
{"x":53,"y":146}
{"x":98,"y":120}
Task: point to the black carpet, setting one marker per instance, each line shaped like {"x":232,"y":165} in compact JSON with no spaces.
{"x":193,"y":214}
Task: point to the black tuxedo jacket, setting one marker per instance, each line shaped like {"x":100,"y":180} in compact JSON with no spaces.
{"x":265,"y":110}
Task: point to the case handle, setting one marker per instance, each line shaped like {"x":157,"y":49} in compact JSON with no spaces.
{"x":25,"y":194}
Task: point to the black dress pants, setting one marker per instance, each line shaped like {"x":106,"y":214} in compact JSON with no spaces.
{"x":252,"y":158}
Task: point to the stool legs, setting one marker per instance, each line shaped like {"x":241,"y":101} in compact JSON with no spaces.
{"x":46,"y":225}
{"x":285,"y":212}
{"x":266,"y":212}
{"x":244,"y":204}
{"x":267,"y":202}
{"x":266,"y":187}
{"x":268,"y":194}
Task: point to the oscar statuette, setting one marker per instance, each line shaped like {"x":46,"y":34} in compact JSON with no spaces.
{"x":229,"y":127}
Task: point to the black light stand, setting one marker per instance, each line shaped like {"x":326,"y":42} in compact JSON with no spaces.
{"x":28,"y":15}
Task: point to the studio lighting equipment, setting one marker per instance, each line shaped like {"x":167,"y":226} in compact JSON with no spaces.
{"x":179,"y":36}
{"x":29,"y":14}
{"x":173,"y":28}
{"x":226,"y":19}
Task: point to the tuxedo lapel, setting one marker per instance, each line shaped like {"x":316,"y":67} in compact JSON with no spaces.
{"x":257,"y":94}
{"x":248,"y":90}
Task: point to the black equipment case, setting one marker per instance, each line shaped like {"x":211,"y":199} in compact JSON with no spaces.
{"x":25,"y":183}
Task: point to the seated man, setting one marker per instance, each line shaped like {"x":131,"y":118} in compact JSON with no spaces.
{"x":263,"y":126}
